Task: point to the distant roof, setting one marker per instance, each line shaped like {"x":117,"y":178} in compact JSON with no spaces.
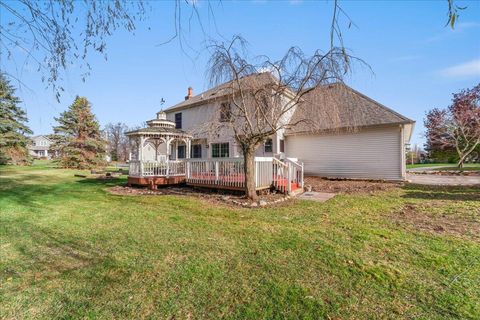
{"x":41,"y":136}
{"x":337,"y":106}
{"x":222,"y":90}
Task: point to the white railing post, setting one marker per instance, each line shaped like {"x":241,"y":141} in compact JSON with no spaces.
{"x":167,"y":170}
{"x":289,"y":178}
{"x":141,"y":168}
{"x":216,"y":172}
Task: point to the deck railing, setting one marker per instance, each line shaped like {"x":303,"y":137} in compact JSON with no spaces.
{"x":222,"y":172}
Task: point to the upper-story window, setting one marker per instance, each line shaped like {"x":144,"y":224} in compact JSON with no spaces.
{"x":282,"y":145}
{"x":268,"y":146}
{"x":225,"y":112}
{"x":178,"y":120}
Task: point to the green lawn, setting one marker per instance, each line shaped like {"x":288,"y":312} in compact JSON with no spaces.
{"x":445,"y":166}
{"x":68,"y":249}
{"x":422,"y":165}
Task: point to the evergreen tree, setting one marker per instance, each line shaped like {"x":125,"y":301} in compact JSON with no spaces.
{"x":13,"y":128}
{"x":78,"y":138}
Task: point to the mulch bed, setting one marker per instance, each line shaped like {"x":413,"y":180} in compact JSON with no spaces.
{"x":347,"y":186}
{"x":220,"y":196}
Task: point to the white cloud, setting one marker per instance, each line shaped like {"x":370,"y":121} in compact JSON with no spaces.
{"x":405,"y":58}
{"x":467,"y":69}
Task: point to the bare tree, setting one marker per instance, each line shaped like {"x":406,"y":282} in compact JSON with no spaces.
{"x":260,"y":98}
{"x":118,"y":145}
{"x":458,"y":126}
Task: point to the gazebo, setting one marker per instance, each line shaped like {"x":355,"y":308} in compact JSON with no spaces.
{"x":158,"y":153}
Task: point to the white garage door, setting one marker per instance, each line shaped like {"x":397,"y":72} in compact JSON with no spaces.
{"x":367,"y":154}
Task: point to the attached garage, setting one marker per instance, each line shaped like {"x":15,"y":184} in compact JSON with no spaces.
{"x":373,"y":153}
{"x":341,"y":133}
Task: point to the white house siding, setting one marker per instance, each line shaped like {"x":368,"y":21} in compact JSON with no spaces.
{"x":366,"y":154}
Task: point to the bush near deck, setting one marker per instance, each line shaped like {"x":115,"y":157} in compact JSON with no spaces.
{"x":68,"y":249}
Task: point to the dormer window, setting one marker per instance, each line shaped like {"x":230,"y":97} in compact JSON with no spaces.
{"x":225,"y":112}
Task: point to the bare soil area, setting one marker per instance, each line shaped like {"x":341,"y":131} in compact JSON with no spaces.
{"x":416,"y":217}
{"x":348,"y":186}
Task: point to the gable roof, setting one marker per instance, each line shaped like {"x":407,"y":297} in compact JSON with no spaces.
{"x":337,"y":106}
{"x":221,"y":91}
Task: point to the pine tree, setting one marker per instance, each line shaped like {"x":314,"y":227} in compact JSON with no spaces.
{"x":13,"y":128}
{"x":78,"y":138}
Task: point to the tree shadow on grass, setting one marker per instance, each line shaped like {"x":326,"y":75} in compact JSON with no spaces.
{"x":453,"y":193}
{"x":33,"y":190}
{"x":40,"y":253}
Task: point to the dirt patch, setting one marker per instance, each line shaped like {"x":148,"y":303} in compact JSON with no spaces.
{"x":415,"y":216}
{"x":212,"y":196}
{"x":348,"y":186}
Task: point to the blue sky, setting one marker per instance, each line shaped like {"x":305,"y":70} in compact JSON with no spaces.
{"x":417,"y":61}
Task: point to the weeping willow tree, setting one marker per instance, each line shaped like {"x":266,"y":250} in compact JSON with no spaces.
{"x":259,"y":96}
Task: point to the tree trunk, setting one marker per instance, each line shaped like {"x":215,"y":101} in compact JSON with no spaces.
{"x":460,"y":162}
{"x":249,"y":170}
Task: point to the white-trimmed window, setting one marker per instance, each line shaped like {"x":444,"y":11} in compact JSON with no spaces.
{"x":220,"y":150}
{"x":196,"y":151}
{"x":268,"y":145}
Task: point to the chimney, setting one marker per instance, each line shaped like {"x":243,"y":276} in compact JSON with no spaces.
{"x":190,"y":93}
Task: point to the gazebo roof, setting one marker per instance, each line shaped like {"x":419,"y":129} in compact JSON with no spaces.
{"x":160,"y":127}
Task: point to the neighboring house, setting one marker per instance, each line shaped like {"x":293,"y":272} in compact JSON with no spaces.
{"x":40,"y":147}
{"x":369,"y":143}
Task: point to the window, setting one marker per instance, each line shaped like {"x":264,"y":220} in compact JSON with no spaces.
{"x":178,"y":120}
{"x":225,"y":112}
{"x":282,"y":145}
{"x":268,"y":146}
{"x":181,"y":152}
{"x":220,"y":150}
{"x":196,"y":151}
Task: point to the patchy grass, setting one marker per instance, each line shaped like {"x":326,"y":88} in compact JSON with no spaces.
{"x":68,"y":249}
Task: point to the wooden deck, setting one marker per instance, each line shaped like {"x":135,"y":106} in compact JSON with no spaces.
{"x":225,"y":174}
{"x":154,"y":181}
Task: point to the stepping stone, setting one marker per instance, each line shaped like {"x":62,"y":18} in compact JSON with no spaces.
{"x":316,"y":196}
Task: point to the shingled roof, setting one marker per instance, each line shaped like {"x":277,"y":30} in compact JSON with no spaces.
{"x":219,"y":92}
{"x":337,"y":106}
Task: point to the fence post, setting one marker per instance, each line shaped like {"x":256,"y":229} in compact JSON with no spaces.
{"x":167,"y":171}
{"x":141,"y":168}
{"x":216,"y":171}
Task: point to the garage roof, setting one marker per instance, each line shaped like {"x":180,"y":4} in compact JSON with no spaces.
{"x":337,"y":106}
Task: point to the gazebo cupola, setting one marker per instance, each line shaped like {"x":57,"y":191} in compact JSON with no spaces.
{"x":161,"y":121}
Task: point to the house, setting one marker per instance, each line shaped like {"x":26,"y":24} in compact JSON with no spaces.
{"x":40,"y":147}
{"x":347,"y":135}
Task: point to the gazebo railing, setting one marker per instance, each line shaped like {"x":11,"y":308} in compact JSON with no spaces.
{"x":166,"y":168}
